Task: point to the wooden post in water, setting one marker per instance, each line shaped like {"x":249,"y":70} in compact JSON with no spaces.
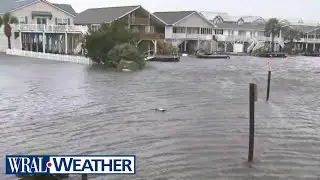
{"x":84,"y":176}
{"x":268,"y":85}
{"x":252,"y":98}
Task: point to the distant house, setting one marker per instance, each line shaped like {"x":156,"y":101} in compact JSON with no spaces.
{"x":187,"y":30}
{"x":148,"y":26}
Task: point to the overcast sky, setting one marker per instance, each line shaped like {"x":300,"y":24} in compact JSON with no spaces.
{"x":306,"y":9}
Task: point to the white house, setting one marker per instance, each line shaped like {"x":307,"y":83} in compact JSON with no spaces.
{"x":43,"y":26}
{"x":245,"y":31}
{"x":188,"y":30}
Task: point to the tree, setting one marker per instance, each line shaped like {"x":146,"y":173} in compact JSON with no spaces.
{"x":100,"y":42}
{"x":290,"y":35}
{"x":125,"y":52}
{"x":273,"y":26}
{"x":7,"y":20}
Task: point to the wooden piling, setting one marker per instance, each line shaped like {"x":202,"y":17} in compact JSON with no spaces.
{"x":252,"y":88}
{"x":268,"y":85}
{"x":84,"y":176}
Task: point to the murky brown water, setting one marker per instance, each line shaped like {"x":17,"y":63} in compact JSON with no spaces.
{"x":61,"y":108}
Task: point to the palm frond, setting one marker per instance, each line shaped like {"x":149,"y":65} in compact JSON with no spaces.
{"x":14,"y":20}
{"x":6,"y":18}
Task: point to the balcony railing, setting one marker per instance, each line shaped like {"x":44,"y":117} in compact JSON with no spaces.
{"x":150,"y":36}
{"x":140,"y":21}
{"x":49,"y":28}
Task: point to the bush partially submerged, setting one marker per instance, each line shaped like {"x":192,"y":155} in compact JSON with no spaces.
{"x":125,"y":52}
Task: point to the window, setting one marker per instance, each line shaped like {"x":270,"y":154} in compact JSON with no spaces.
{"x":22,"y":20}
{"x":95,"y":27}
{"x":62,"y":21}
{"x":267,"y":34}
{"x":42,"y":20}
{"x":219,"y":31}
{"x":179,"y":30}
{"x":192,"y":30}
{"x":206,"y":31}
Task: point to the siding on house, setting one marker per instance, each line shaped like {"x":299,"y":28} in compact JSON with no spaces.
{"x":41,"y":6}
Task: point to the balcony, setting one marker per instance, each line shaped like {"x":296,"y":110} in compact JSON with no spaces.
{"x":140,"y":21}
{"x":150,"y":36}
{"x":49,"y":28}
{"x":309,"y":40}
{"x":189,"y":36}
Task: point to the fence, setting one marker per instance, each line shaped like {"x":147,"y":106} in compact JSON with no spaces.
{"x":55,"y":57}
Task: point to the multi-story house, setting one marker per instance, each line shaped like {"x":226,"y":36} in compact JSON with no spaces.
{"x":148,"y":26}
{"x":247,"y":32}
{"x":309,"y":34}
{"x":188,"y":30}
{"x":42,"y":27}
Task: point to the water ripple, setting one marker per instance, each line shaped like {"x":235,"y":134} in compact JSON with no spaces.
{"x":203,"y":135}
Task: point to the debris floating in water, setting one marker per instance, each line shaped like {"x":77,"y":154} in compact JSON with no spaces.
{"x":160,"y":109}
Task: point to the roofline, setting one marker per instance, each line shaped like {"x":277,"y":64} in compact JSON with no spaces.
{"x":239,"y":29}
{"x":139,"y":6}
{"x":313,"y":30}
{"x":195,"y":12}
{"x":184,"y":18}
{"x":203,"y":17}
{"x":151,"y":14}
{"x":12,"y":10}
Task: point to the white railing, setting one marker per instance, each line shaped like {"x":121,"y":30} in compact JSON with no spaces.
{"x":50,"y":28}
{"x":309,"y":40}
{"x":189,"y":36}
{"x":48,"y":56}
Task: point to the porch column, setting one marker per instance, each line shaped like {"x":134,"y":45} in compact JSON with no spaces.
{"x":44,"y":42}
{"x":198,"y":44}
{"x":185,"y":45}
{"x":225,"y":46}
{"x":155,"y":46}
{"x":66,"y":43}
{"x":307,"y":42}
{"x":37,"y":42}
{"x":211,"y":46}
{"x":314,"y":42}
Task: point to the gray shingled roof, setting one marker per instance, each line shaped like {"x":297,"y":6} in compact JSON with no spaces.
{"x":304,"y":28}
{"x":66,"y":7}
{"x":211,"y":15}
{"x":250,"y":19}
{"x":256,"y":27}
{"x":172,"y":17}
{"x":9,"y":5}
{"x":102,"y":15}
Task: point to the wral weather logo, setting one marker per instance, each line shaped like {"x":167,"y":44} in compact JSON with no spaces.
{"x":29,"y":164}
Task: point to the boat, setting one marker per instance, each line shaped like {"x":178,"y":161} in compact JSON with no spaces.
{"x":272,"y":55}
{"x":312,"y":54}
{"x":209,"y":55}
{"x":163,"y":58}
{"x":212,"y":56}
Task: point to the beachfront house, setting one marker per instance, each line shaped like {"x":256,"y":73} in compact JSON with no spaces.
{"x":188,"y":30}
{"x":148,"y":26}
{"x":240,"y":33}
{"x":309,"y":34}
{"x":43,"y":27}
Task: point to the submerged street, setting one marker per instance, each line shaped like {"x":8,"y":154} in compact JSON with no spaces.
{"x":50,"y":107}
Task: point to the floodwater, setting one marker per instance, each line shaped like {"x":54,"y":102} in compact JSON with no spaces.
{"x":48,"y":107}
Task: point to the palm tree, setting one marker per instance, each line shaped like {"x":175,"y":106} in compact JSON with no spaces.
{"x":290,"y":35}
{"x":7,"y":20}
{"x":273,"y":26}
